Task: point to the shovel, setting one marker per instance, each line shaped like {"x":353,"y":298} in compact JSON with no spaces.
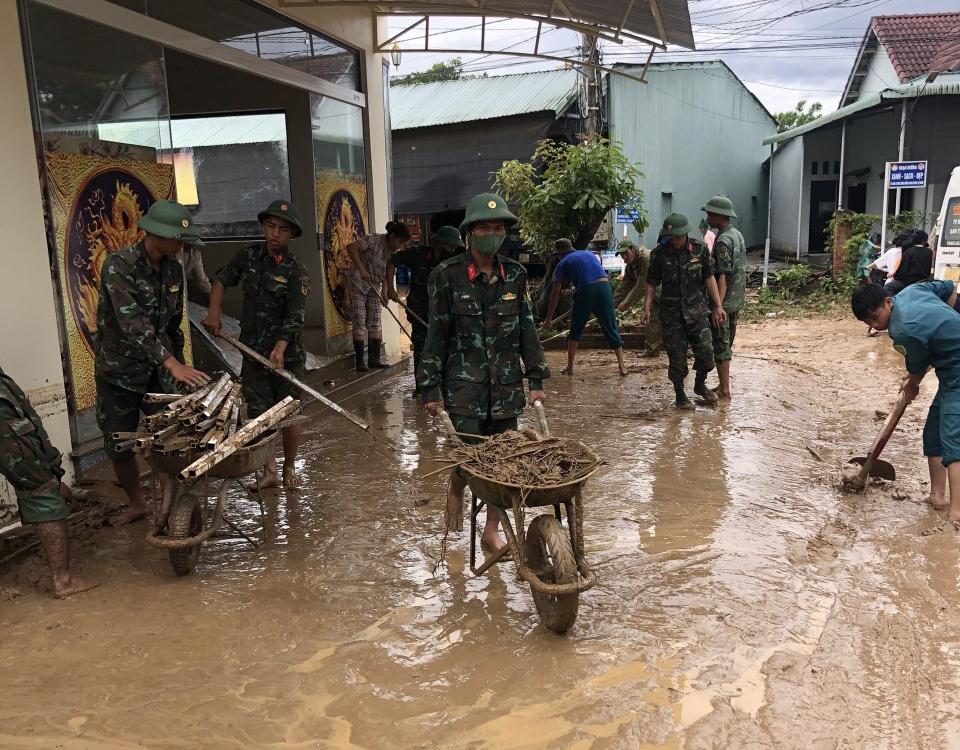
{"x":871,"y":465}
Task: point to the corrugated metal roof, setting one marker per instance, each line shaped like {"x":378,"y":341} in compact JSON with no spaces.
{"x":201,"y":131}
{"x":425,"y":105}
{"x":945,"y":85}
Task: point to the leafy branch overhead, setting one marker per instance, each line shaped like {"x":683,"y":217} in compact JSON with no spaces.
{"x":566,"y":190}
{"x":799,"y":115}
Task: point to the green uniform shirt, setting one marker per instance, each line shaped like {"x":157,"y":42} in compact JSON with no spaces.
{"x":138,"y":319}
{"x":730,"y":257}
{"x":682,"y":275}
{"x":421,"y":261}
{"x":481,"y":341}
{"x":275,"y":291}
{"x":634,"y":283}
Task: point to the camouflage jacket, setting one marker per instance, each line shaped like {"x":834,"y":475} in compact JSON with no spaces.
{"x":481,"y":341}
{"x":138,"y":319}
{"x":21,"y":419}
{"x":421,"y":261}
{"x":730,"y":257}
{"x":633,"y":285}
{"x":682,"y":275}
{"x":274,"y":299}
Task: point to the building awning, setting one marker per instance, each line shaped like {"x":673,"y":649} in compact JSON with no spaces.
{"x":945,"y":85}
{"x":653,"y":22}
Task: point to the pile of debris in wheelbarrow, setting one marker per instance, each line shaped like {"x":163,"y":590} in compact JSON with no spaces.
{"x":523,"y":470}
{"x":209,"y":425}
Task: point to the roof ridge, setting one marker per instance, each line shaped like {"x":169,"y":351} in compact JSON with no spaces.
{"x":917,"y":15}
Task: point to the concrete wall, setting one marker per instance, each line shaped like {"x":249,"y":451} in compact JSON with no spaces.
{"x":695,"y":131}
{"x":786,"y":169}
{"x":30,"y":344}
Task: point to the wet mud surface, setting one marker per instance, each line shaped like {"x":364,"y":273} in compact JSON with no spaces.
{"x":743,"y":599}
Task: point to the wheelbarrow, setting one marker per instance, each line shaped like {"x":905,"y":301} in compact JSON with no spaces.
{"x":548,"y":555}
{"x":184,"y":519}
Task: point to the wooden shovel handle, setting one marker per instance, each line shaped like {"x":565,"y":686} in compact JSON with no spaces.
{"x":889,"y":425}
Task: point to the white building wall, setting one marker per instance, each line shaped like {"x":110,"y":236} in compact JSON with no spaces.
{"x":787,"y":164}
{"x":30,"y":343}
{"x":880,"y":74}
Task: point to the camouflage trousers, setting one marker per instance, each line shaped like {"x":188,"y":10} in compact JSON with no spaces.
{"x":118,"y":410}
{"x":32,"y":465}
{"x":262,"y":389}
{"x":678,"y":336}
{"x":723,"y":339}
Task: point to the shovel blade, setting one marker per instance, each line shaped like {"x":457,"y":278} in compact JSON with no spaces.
{"x":879,"y":470}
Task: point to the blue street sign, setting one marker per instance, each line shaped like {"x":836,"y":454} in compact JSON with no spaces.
{"x":908,"y":174}
{"x":627,"y":214}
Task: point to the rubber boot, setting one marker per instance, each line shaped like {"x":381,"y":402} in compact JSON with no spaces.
{"x":682,"y":401}
{"x":700,"y":388}
{"x":358,"y":354}
{"x":376,"y":347}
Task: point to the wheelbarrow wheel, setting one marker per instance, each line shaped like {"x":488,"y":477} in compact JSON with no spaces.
{"x":549,"y":555}
{"x":186,"y":520}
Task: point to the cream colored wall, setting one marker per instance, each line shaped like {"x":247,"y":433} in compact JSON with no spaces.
{"x":29,"y":342}
{"x":357,"y":28}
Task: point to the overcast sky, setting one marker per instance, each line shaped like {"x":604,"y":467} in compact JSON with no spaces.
{"x":783,"y":50}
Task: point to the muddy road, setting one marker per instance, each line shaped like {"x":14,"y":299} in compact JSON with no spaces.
{"x":814,"y":618}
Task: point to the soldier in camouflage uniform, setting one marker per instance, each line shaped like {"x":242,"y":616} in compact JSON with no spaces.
{"x":444,"y":244}
{"x":632,"y":288}
{"x":275,"y":290}
{"x":730,"y":266}
{"x":684,"y":270}
{"x":139,"y":342}
{"x":33,"y":466}
{"x":481,"y":343}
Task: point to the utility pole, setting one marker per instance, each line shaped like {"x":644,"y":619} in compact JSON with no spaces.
{"x":593,"y":115}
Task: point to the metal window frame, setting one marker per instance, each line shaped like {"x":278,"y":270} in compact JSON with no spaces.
{"x":167,"y":35}
{"x":550,"y":18}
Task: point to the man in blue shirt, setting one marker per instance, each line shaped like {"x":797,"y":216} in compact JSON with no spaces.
{"x":593,"y":297}
{"x":925,"y":328}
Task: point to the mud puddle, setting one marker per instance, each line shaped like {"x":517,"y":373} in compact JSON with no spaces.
{"x":743,"y":600}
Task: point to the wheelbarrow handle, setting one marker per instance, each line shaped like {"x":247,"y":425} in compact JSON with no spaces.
{"x":541,"y":418}
{"x":448,"y":425}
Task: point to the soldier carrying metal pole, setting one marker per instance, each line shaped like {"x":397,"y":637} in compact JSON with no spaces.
{"x":481,"y":343}
{"x":275,"y":290}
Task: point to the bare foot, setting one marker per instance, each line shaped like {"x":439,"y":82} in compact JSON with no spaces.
{"x":492,"y":544}
{"x":72,"y":585}
{"x":723,"y":395}
{"x":568,"y":370}
{"x":269,"y":481}
{"x":939,"y":503}
{"x":132,"y":514}
{"x":623,"y":372}
{"x":454,"y":512}
{"x":290,"y":478}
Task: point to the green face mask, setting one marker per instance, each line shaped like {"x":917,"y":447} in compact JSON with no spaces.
{"x":488,"y":245}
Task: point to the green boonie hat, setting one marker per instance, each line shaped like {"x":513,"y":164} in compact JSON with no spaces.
{"x":676,"y":225}
{"x":283,"y":210}
{"x":720,"y":205}
{"x":624,"y":246}
{"x":448,"y":236}
{"x":487,"y":207}
{"x":170,"y":220}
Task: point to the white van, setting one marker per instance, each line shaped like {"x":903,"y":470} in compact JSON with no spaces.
{"x":947,"y":229}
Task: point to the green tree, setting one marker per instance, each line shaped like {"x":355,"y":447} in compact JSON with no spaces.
{"x":566,"y":190}
{"x":450,"y":70}
{"x":799,"y":115}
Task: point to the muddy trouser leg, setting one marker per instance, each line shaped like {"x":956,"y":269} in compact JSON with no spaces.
{"x":675,"y":343}
{"x":700,"y":336}
{"x":606,"y":313}
{"x":654,"y":332}
{"x":485,"y":428}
